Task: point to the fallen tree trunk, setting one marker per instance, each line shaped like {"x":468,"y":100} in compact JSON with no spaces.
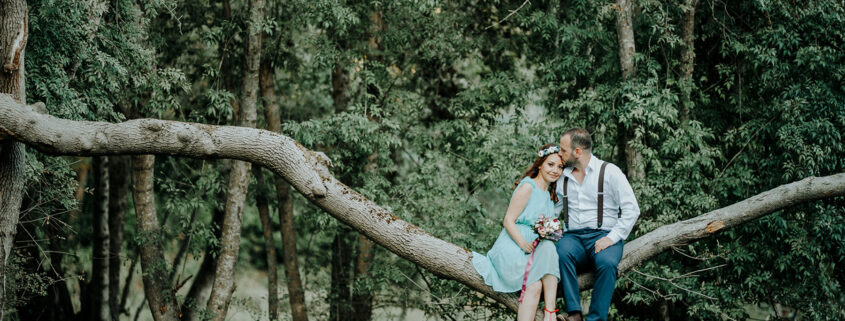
{"x":308,"y":172}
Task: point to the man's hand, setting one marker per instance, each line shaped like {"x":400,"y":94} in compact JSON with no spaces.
{"x":603,"y":243}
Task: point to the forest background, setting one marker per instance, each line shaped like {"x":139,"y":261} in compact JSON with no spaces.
{"x":431,"y":109}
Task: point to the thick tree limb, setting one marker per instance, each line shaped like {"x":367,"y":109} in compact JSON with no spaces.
{"x":308,"y":173}
{"x":14,"y":32}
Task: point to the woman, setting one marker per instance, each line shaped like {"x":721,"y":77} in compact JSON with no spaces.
{"x":504,"y":266}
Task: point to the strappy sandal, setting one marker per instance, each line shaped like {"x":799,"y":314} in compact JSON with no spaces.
{"x":551,"y":314}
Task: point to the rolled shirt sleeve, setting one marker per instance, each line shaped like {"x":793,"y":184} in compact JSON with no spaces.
{"x":627,"y":203}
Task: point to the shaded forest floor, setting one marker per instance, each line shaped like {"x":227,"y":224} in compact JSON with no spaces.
{"x":249,"y":302}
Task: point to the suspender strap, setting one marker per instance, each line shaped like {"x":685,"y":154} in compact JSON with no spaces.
{"x":565,"y":202}
{"x":600,"y":198}
{"x":600,"y":209}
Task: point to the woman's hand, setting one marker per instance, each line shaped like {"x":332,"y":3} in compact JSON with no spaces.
{"x":527,"y":247}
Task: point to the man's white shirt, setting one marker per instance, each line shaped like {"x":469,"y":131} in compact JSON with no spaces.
{"x":583,"y":200}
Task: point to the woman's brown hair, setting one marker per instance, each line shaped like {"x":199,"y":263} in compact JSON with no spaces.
{"x":534,"y":170}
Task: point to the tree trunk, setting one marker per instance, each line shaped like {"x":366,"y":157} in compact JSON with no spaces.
{"x":201,"y":287}
{"x":157,"y":287}
{"x":362,"y":302}
{"x":309,"y":173}
{"x":340,"y":87}
{"x":224,"y":276}
{"x":81,"y":179}
{"x":119,"y":171}
{"x":269,"y":244}
{"x":124,"y":295}
{"x":342,"y":244}
{"x":339,"y":295}
{"x":296,"y":293}
{"x":13,"y":36}
{"x":98,"y":288}
{"x":183,"y":249}
{"x":625,"y":37}
{"x":627,"y":50}
{"x":688,"y":57}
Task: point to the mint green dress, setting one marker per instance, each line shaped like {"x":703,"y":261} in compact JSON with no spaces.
{"x":503,"y":268}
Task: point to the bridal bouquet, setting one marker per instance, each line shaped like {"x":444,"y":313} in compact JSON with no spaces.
{"x":548,"y":228}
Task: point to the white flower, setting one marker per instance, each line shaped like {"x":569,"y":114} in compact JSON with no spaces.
{"x":540,"y":154}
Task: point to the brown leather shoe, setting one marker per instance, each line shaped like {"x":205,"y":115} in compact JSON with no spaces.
{"x":574,"y":317}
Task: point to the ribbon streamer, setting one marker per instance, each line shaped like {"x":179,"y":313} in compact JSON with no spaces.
{"x":528,"y":268}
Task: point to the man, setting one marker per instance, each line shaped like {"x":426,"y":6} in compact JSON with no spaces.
{"x":593,"y":238}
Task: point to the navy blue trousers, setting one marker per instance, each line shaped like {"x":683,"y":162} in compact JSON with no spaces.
{"x":576,"y":250}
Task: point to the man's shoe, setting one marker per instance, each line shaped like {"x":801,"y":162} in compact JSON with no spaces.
{"x":574,"y":317}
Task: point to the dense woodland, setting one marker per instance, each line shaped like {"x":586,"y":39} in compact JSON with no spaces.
{"x":430,"y":109}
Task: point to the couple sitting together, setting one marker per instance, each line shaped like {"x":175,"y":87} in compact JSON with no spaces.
{"x":598,"y":206}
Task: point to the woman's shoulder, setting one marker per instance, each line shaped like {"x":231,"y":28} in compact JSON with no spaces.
{"x":525,"y":187}
{"x":529,"y":180}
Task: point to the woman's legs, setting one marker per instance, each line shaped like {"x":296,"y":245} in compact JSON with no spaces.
{"x":550,"y":294}
{"x":528,"y":306}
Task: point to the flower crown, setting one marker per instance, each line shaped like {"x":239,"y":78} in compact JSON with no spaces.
{"x":547,"y":151}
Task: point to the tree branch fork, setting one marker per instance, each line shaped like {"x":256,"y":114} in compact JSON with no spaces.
{"x":309,"y":173}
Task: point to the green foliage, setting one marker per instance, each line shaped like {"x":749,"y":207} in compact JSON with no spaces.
{"x":446,"y":106}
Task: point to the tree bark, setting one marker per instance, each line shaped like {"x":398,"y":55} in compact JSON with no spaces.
{"x":687,"y":57}
{"x":625,"y":37}
{"x":124,"y":295}
{"x":224,"y":276}
{"x":362,"y":302}
{"x":183,"y":249}
{"x":282,"y":155}
{"x":339,"y":295}
{"x":340,"y":86}
{"x":296,"y":293}
{"x":342,"y":244}
{"x":269,"y":244}
{"x":81,"y":180}
{"x":627,"y":51}
{"x":119,"y":171}
{"x":98,"y":288}
{"x":13,"y":36}
{"x":157,"y":288}
{"x":201,"y":287}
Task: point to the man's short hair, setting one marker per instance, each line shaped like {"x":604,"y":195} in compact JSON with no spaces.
{"x":580,"y":138}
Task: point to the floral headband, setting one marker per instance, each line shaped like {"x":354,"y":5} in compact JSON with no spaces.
{"x":547,"y":151}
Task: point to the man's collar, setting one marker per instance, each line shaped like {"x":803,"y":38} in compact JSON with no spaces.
{"x":594,"y":163}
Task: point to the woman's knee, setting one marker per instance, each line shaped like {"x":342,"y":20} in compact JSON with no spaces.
{"x":534,"y":288}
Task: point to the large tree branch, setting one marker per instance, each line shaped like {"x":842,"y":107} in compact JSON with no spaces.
{"x":308,"y":173}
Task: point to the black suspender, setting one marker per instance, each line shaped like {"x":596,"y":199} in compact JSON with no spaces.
{"x":565,"y":202}
{"x":601,"y":194}
{"x":600,"y":198}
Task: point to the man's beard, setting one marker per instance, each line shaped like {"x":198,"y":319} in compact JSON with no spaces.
{"x":570,"y":162}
